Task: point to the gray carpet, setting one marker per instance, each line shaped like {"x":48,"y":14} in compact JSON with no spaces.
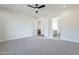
{"x":38,"y":46}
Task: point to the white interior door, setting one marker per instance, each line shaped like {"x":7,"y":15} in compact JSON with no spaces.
{"x":35,"y":28}
{"x":45,"y":27}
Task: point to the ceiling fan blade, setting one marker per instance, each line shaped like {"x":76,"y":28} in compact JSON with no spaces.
{"x":41,"y":6}
{"x":31,"y":6}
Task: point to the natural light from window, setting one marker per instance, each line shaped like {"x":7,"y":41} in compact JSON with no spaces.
{"x":55,"y":23}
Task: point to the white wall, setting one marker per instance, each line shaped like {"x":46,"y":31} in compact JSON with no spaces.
{"x":15,"y":25}
{"x":70,"y":25}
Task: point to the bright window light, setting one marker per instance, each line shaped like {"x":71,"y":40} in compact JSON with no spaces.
{"x":55,"y":23}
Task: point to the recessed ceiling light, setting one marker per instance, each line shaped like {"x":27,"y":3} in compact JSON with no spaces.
{"x":64,"y":6}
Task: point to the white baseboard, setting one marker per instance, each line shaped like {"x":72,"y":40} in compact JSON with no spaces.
{"x":65,"y":39}
{"x":15,"y":38}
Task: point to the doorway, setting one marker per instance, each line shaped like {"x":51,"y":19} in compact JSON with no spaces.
{"x":56,"y":27}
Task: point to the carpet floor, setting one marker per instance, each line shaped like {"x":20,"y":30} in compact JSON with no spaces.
{"x":38,"y":46}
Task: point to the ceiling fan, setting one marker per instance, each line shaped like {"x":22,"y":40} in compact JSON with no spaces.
{"x":36,"y":7}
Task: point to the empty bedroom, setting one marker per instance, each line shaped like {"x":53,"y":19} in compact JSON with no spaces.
{"x":39,"y":29}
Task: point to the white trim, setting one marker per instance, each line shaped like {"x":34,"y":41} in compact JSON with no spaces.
{"x":15,"y":38}
{"x":66,"y":39}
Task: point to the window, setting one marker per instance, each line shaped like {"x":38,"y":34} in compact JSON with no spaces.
{"x":55,"y":23}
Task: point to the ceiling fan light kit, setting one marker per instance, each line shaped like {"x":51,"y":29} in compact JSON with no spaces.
{"x":36,"y":7}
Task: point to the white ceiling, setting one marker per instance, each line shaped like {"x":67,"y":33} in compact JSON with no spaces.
{"x":48,"y":9}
